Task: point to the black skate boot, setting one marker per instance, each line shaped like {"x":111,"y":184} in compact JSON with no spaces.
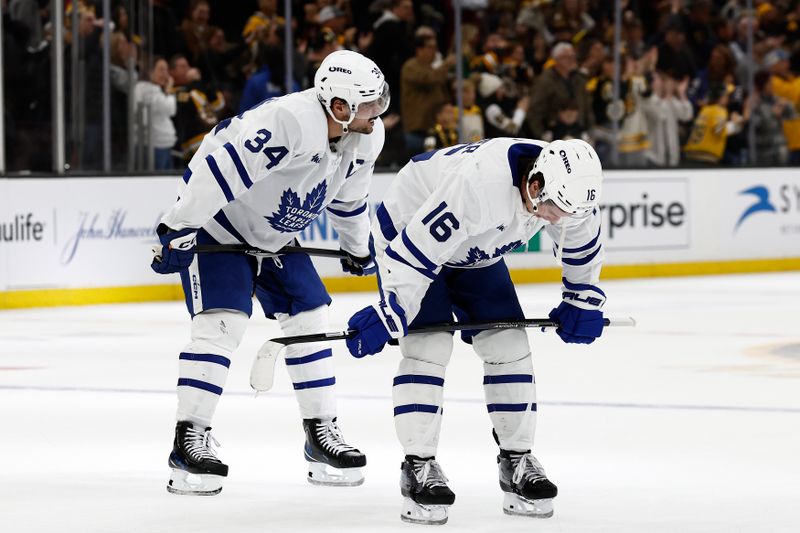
{"x":527,"y":490}
{"x":331,"y":461}
{"x":195,"y":467}
{"x":425,"y":491}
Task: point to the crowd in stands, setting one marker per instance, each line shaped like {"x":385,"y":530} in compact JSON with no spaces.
{"x":537,"y":68}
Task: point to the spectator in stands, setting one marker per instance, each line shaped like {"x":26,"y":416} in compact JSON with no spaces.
{"x":768,"y":114}
{"x":566,"y":125}
{"x":392,"y":44}
{"x":28,"y":14}
{"x":592,"y":56}
{"x":86,"y":147}
{"x":504,"y":112}
{"x":422,"y":89}
{"x":601,"y":89}
{"x":472,"y":123}
{"x":123,"y":55}
{"x":711,"y":128}
{"x":166,"y":41}
{"x":517,"y":69}
{"x":155,"y":96}
{"x":720,"y":70}
{"x":268,"y":81}
{"x":561,"y":82}
{"x":495,"y":48}
{"x":571,"y":21}
{"x":634,"y":141}
{"x":674,"y":56}
{"x":786,"y":85}
{"x":199,"y":104}
{"x":665,"y":108}
{"x":196,"y":31}
{"x":444,"y":132}
{"x":700,"y":39}
{"x":324,"y":44}
{"x":261,"y":26}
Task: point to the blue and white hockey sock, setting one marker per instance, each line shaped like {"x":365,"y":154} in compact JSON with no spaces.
{"x":311,"y":370}
{"x":203,"y":364}
{"x":510,"y":391}
{"x":310,"y":365}
{"x":417,"y":394}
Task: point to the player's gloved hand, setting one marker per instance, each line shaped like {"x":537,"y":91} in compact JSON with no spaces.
{"x":358,"y":266}
{"x":177,"y":249}
{"x":579,"y":326}
{"x":374,"y":326}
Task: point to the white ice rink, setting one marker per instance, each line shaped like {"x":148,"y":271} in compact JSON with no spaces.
{"x":688,"y":422}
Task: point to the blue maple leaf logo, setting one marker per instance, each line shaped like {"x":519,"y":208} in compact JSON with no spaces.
{"x":292,"y":215}
{"x":507,"y":248}
{"x":476,"y":255}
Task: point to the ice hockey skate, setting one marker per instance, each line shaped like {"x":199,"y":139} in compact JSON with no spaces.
{"x":331,"y":461}
{"x":527,"y":490}
{"x":426,"y":495}
{"x":196,"y":470}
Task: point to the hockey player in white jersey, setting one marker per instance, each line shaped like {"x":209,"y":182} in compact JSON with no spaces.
{"x":260,"y":178}
{"x":438,"y":239}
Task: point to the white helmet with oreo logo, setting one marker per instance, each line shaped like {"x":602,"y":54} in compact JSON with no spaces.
{"x":572,"y":176}
{"x":356,"y":80}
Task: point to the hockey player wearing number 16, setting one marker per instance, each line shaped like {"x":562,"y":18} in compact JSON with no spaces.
{"x":438,"y":239}
{"x":259,"y":179}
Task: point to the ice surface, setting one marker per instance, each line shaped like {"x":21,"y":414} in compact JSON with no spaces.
{"x":688,"y":422}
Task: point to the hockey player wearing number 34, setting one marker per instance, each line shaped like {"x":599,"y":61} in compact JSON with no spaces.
{"x":260,"y":178}
{"x":438,"y":239}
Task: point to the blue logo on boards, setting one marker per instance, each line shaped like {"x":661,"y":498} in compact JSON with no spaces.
{"x":762,"y":203}
{"x":292,"y":215}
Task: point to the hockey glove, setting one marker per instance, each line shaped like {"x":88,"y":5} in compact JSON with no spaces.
{"x":358,"y":266}
{"x":374,"y":326}
{"x":177,"y":249}
{"x":579,"y":326}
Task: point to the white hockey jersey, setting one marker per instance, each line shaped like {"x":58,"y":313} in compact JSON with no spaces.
{"x":461,"y":207}
{"x":261,"y":177}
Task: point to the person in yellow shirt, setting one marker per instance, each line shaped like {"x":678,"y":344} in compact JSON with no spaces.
{"x":786,"y":85}
{"x":711,"y":128}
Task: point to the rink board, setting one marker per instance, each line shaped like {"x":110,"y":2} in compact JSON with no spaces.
{"x":87,"y":240}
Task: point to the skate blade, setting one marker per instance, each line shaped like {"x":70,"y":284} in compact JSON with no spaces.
{"x":186,"y":484}
{"x":430,"y":515}
{"x":516,"y":505}
{"x":322,"y":474}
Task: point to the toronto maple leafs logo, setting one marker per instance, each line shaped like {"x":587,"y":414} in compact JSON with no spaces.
{"x":476,"y":255}
{"x":502,"y":250}
{"x":292,"y":215}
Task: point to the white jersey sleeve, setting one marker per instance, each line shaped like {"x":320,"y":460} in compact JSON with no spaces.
{"x":581,"y":259}
{"x":236,"y":154}
{"x":457,"y":209}
{"x":349,"y":210}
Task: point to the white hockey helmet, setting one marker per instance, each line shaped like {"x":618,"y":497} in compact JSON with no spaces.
{"x":355,"y":79}
{"x":572,"y":176}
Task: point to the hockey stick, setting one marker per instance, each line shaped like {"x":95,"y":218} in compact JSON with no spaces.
{"x":249,"y":250}
{"x":263,"y":371}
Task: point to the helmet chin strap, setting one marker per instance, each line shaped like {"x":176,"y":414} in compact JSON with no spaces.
{"x":535,"y":203}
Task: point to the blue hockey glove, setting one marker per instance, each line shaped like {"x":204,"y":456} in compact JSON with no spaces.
{"x":177,"y":250}
{"x":358,"y":266}
{"x":375,"y":326}
{"x":580,"y":326}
